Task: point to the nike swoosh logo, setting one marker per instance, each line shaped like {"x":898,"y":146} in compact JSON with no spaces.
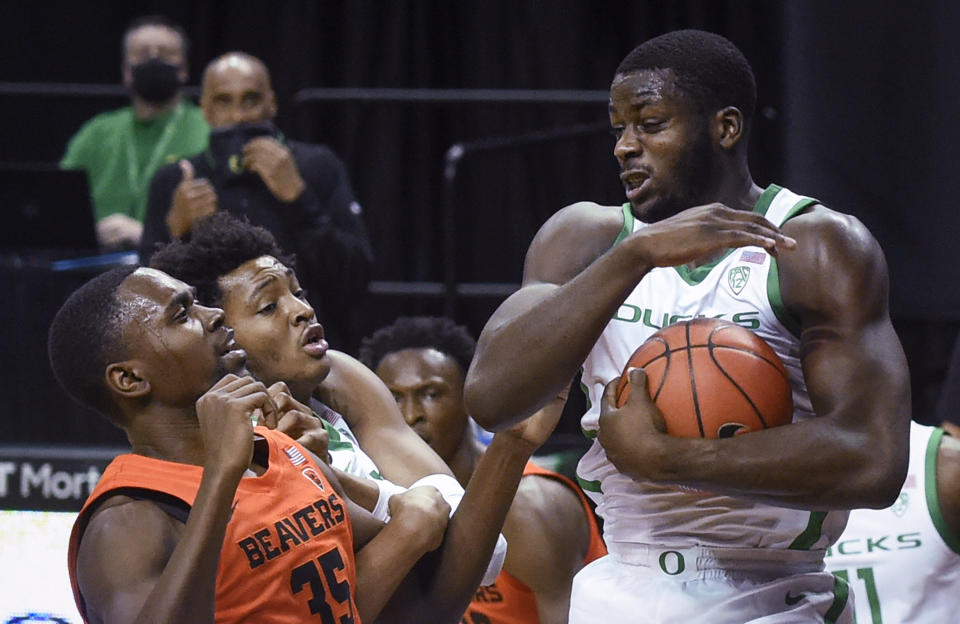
{"x":792,"y":600}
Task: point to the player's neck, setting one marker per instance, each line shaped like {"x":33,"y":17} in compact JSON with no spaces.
{"x":168,"y":434}
{"x":144,"y":111}
{"x":737,"y":189}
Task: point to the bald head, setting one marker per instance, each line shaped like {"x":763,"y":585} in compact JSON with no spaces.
{"x":236,"y":89}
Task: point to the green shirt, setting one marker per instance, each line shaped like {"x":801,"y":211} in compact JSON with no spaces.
{"x":120,"y":154}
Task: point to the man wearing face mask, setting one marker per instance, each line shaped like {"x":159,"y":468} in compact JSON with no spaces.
{"x":298,"y":191}
{"x":121,"y":150}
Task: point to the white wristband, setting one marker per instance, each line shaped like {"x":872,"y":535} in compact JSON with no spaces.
{"x":452,"y":492}
{"x":450,"y":489}
{"x":381,"y":511}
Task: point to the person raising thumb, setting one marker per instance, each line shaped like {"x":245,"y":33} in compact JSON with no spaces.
{"x":193,"y":199}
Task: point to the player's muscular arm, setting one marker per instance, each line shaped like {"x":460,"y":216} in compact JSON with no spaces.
{"x":570,"y":289}
{"x":948,"y":482}
{"x":573,"y":283}
{"x":549,"y":534}
{"x":835,"y":282}
{"x":372,"y":413}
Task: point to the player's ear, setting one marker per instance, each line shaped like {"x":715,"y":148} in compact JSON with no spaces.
{"x":727,"y":127}
{"x":126,"y":379}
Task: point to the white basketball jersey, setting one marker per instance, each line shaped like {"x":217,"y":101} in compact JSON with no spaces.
{"x":902,"y":562}
{"x":742,"y":287}
{"x":345,"y":451}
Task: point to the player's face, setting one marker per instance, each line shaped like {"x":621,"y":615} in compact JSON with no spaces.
{"x":275,"y":324}
{"x":663,"y":145}
{"x":149,"y":42}
{"x":184,"y":347}
{"x":237,"y":91}
{"x":428,"y":386}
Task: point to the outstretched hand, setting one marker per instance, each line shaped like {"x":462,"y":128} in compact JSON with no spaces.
{"x":633,"y":435}
{"x":702,"y":231}
{"x":297,"y":421}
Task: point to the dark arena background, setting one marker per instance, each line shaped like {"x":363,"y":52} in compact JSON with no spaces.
{"x":464,"y":126}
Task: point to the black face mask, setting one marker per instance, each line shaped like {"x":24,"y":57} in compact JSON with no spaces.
{"x":226,"y":145}
{"x":156,"y":81}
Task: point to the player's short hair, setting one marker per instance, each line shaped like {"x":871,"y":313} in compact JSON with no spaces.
{"x":708,"y":68}
{"x":86,"y":335}
{"x":419,"y":332}
{"x":218,"y":244}
{"x":155,"y":20}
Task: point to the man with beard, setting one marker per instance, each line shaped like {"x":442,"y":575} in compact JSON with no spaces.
{"x":299,"y":192}
{"x":706,"y":530}
{"x":121,"y":150}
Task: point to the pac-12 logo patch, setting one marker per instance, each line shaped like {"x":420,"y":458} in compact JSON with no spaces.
{"x":737,"y":278}
{"x":900,"y":506}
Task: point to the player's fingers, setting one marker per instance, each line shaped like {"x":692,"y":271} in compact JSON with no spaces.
{"x":608,"y":400}
{"x":186,"y":169}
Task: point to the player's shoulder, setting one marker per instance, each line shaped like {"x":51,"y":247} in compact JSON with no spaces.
{"x":123,"y":522}
{"x":571,"y":239}
{"x":588,"y":218}
{"x":820,"y":221}
{"x":547,"y":496}
{"x":829,"y":238}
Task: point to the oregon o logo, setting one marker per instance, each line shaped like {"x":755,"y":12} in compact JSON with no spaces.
{"x":675,"y":562}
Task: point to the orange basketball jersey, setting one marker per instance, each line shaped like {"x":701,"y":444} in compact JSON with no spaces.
{"x":288,"y":550}
{"x":508,"y":600}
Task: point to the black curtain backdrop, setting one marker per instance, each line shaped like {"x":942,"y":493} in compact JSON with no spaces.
{"x":853,"y":105}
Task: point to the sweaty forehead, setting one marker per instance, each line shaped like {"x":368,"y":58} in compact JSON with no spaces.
{"x":145,"y":293}
{"x":251,"y":274}
{"x":646,"y":84}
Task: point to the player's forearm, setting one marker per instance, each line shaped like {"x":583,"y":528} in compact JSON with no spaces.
{"x":382,"y":565}
{"x":808,"y":465}
{"x":534,"y":344}
{"x":186,"y":590}
{"x":456,"y":569}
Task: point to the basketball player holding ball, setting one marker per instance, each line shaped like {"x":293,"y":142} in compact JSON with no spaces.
{"x":720,"y":531}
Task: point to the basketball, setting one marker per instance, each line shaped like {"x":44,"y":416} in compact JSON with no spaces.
{"x":712,"y":379}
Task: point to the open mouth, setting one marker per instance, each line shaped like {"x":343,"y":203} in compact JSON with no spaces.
{"x":634,"y":182}
{"x":313,"y":342}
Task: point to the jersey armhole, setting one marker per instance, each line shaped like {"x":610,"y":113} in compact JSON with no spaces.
{"x":933,"y":500}
{"x":783,"y":314}
{"x":627,"y":227}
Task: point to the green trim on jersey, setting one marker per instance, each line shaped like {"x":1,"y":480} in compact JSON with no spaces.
{"x":336,"y":442}
{"x":933,"y":499}
{"x":627,"y":228}
{"x":589,"y":486}
{"x":841,"y":596}
{"x":785,"y":316}
{"x":765,"y":199}
{"x":812,"y":533}
{"x":589,"y":434}
{"x":697,"y":275}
